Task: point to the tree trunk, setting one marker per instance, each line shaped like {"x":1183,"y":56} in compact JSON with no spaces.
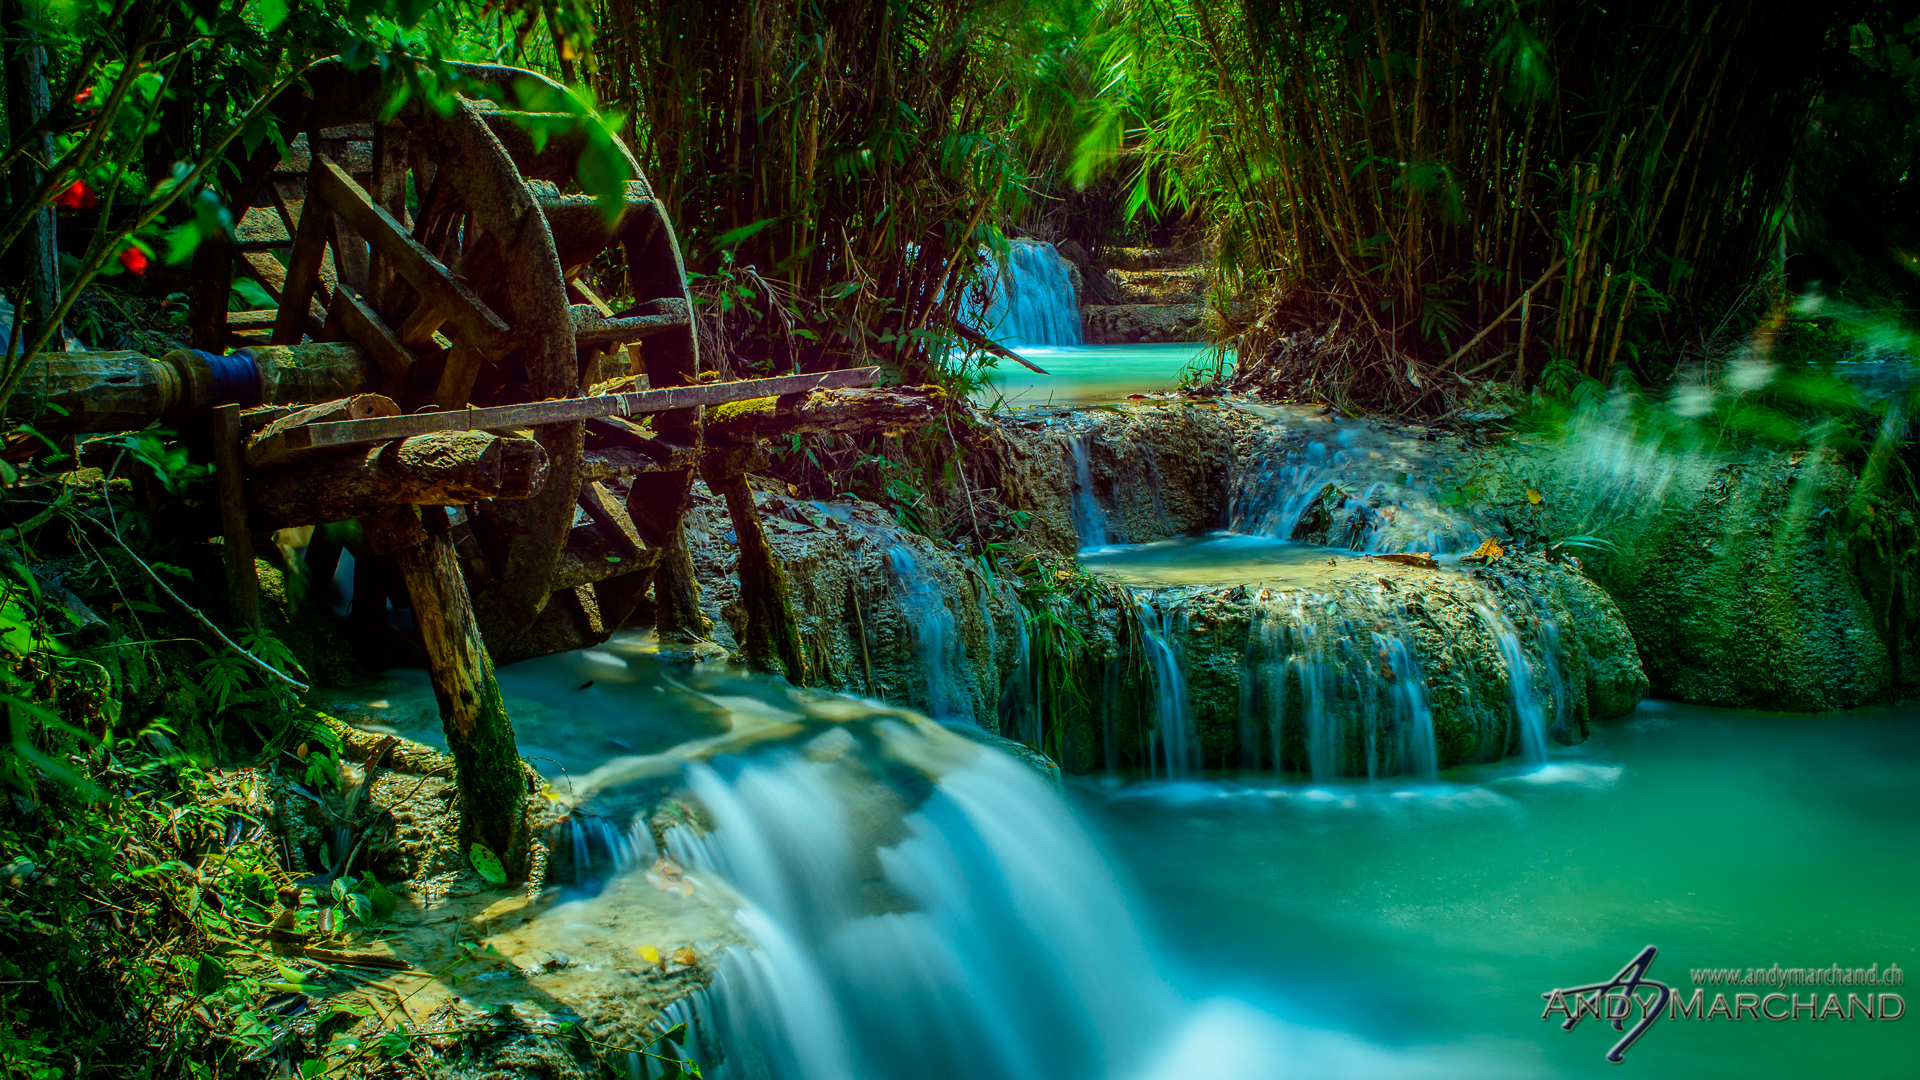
{"x":37,"y":259}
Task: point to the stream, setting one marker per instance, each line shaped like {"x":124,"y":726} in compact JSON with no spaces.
{"x":1089,"y":374}
{"x":924,"y":906}
{"x":881,"y":896}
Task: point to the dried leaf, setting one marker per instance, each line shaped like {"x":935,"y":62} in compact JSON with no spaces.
{"x":650,"y":954}
{"x":1421,"y":559}
{"x":1533,"y":497}
{"x":1488,"y":551}
{"x":686,"y":956}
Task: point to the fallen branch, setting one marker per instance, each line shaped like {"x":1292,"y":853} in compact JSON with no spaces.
{"x":1502,"y":317}
{"x":980,"y":341}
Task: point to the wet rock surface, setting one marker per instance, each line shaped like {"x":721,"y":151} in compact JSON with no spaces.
{"x":1297,"y":656}
{"x":1142,"y":324}
{"x":883,"y":612}
{"x":1746,"y":579}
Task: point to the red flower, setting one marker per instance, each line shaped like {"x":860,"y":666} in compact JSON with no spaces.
{"x":134,"y":259}
{"x":83,"y":96}
{"x":77,"y":196}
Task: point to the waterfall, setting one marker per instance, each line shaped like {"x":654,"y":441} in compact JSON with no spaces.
{"x":935,"y":636}
{"x":1088,"y":519}
{"x":1352,"y":490}
{"x":1409,"y":693}
{"x":1173,"y":708}
{"x":977,"y":933}
{"x":1526,"y":704}
{"x":587,"y":849}
{"x":1032,"y":298}
{"x":1556,"y":676}
{"x":1337,"y":668}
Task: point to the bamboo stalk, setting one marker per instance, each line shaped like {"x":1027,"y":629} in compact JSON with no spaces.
{"x":1620,"y":326}
{"x":1599,"y":309}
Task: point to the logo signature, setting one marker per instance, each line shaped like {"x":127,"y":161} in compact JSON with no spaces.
{"x":1613,"y":1001}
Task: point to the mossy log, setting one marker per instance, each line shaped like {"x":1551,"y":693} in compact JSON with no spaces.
{"x":445,"y":468}
{"x":823,"y":412}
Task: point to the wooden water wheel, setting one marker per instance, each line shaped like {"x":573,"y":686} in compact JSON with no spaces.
{"x":450,"y":250}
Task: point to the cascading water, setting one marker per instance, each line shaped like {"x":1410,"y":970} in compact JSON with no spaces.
{"x":1556,"y":676}
{"x":934,"y":635}
{"x":1527,"y":709}
{"x":958,"y":923}
{"x":587,"y":849}
{"x":1173,"y":710}
{"x":1348,"y":487}
{"x":1033,"y":301}
{"x":1410,"y":706}
{"x":1089,"y":520}
{"x":1337,"y":669}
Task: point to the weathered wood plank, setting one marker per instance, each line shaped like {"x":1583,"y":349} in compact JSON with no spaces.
{"x":438,"y":286}
{"x":591,"y":328}
{"x":563,"y":410}
{"x":357,"y":407}
{"x":592,"y":556}
{"x":303,"y":272}
{"x":457,"y":379}
{"x":619,"y":462}
{"x":389,"y":192}
{"x":447,"y":468}
{"x":612,"y":518}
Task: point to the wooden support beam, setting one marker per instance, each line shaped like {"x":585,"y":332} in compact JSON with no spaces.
{"x":493,"y":781}
{"x":608,"y":434}
{"x":612,"y":519}
{"x":618,"y":462}
{"x":442,"y":469}
{"x":772,"y":637}
{"x":389,"y":192}
{"x":457,"y":379}
{"x":592,"y":556}
{"x":303,"y":272}
{"x":236,"y":539}
{"x":266,"y":270}
{"x":439,"y":288}
{"x":564,"y":410}
{"x":364,"y":327}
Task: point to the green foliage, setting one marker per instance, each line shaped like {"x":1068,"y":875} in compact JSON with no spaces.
{"x":1388,"y":182}
{"x":487,"y":864}
{"x":1058,"y":597}
{"x":834,"y":171}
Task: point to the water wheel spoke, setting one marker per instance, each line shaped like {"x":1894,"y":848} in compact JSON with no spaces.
{"x":444,"y":291}
{"x":303,"y":271}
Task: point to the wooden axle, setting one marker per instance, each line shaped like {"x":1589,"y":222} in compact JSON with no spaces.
{"x":124,"y":391}
{"x":445,"y":468}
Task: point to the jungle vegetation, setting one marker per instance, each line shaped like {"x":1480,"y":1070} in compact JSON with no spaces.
{"x":1401,"y":204}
